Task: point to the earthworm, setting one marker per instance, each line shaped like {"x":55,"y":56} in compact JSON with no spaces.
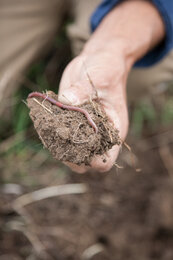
{"x":68,"y":107}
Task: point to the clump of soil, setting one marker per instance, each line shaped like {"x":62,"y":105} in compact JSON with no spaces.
{"x":68,"y":135}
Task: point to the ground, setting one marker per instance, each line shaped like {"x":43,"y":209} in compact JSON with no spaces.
{"x":124,"y":214}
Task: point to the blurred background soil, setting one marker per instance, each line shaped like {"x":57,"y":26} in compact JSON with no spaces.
{"x":123,"y":214}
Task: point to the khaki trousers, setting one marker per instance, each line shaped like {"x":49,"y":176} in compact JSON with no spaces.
{"x":28,"y":29}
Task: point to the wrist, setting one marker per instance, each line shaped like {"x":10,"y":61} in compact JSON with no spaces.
{"x":117,"y":49}
{"x":126,"y":30}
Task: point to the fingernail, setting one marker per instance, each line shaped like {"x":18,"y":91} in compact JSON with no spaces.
{"x":68,"y":98}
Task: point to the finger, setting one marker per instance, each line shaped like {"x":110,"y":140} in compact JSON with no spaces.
{"x":77,"y":168}
{"x":75,"y":94}
{"x":110,"y":156}
{"x":109,"y":159}
{"x":75,"y":88}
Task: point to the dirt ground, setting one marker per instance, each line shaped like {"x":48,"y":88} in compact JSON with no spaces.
{"x":124,"y":214}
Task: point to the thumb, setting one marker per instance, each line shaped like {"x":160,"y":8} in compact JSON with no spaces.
{"x":75,"y":94}
{"x":69,"y":96}
{"x":75,"y":87}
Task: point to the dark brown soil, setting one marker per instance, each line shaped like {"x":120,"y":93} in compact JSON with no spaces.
{"x":129,"y":215}
{"x":68,"y":135}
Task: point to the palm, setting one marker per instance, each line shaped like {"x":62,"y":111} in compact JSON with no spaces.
{"x":109,"y":80}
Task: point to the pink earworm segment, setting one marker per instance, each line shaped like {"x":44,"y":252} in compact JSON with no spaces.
{"x":59,"y":104}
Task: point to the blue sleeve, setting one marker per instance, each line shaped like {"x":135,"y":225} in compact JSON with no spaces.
{"x":165,"y":7}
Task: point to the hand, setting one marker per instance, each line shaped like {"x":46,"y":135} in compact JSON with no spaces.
{"x":109,"y":78}
{"x":123,"y":37}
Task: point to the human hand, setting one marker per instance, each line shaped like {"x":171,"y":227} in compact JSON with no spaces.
{"x":123,"y":37}
{"x":109,"y":78}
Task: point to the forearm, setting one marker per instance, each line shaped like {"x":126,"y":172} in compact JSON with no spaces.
{"x":134,"y":27}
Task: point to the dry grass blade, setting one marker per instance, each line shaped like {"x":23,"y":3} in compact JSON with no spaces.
{"x":30,"y":230}
{"x":48,"y":192}
{"x":133,"y":157}
{"x":90,"y":81}
{"x":92,"y":251}
{"x":35,"y":242}
{"x":43,"y":106}
{"x":118,"y":166}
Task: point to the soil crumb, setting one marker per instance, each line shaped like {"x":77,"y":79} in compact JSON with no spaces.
{"x":68,"y":135}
